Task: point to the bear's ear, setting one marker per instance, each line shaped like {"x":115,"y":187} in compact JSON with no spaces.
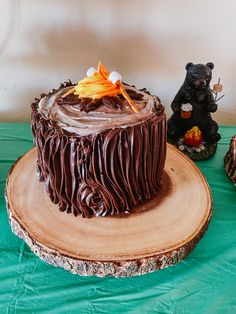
{"x":210,"y":65}
{"x":188,"y":66}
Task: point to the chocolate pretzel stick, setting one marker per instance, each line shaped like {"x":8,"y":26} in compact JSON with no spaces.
{"x":126,"y":96}
{"x":70,"y":91}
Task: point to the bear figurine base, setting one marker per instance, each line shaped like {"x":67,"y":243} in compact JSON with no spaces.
{"x":202,"y":152}
{"x":191,"y":128}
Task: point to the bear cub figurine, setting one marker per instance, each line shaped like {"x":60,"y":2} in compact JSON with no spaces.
{"x":193,"y":104}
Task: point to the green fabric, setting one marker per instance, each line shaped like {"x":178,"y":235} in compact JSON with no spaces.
{"x":205,"y":282}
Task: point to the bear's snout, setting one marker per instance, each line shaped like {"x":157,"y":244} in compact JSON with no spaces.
{"x":200,"y":83}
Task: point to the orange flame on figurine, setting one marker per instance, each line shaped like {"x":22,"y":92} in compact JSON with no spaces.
{"x":193,"y":137}
{"x":99,"y":83}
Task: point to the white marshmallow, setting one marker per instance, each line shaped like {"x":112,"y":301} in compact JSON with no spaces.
{"x":114,"y":77}
{"x":186,"y":107}
{"x":91,"y":71}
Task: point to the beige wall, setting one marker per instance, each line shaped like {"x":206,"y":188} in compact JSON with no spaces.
{"x":44,"y":42}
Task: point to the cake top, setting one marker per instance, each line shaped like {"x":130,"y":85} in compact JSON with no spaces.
{"x":98,"y":102}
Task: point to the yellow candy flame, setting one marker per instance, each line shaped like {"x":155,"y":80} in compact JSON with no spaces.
{"x":98,"y":85}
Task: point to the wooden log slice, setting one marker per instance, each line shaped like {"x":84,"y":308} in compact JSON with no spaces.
{"x":156,"y":235}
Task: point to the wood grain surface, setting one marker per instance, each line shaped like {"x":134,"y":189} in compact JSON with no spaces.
{"x":175,"y":219}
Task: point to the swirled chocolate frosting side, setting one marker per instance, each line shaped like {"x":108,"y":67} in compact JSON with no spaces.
{"x":230,"y":160}
{"x":101,"y":173}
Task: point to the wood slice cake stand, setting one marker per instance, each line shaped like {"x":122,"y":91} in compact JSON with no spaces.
{"x":158,"y":234}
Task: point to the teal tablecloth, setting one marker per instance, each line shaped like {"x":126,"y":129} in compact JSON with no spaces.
{"x":205,"y":282}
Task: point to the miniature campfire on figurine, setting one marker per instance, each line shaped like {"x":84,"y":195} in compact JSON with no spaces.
{"x":191,"y":127}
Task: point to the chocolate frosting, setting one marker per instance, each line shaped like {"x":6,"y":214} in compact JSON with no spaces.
{"x":230,"y":160}
{"x":100,"y":173}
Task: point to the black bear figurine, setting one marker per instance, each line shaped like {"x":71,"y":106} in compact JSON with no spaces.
{"x":193,"y":104}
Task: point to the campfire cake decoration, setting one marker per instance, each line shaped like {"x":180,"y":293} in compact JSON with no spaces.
{"x":100,"y":83}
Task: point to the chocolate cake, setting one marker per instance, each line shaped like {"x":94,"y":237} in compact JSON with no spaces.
{"x":103,"y":154}
{"x":230,"y":160}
